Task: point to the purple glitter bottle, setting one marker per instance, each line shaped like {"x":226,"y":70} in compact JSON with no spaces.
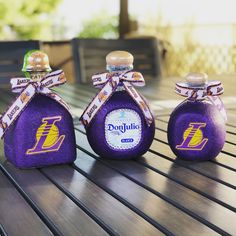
{"x":118,"y":122}
{"x":196,"y":129}
{"x":42,"y":133}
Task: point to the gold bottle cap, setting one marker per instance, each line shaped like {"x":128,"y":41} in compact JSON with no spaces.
{"x":36,"y":61}
{"x":119,"y":58}
{"x":196,"y":79}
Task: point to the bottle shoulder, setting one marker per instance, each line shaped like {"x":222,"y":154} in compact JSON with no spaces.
{"x":195,"y":103}
{"x":43,"y":102}
{"x":196,"y":107}
{"x":42,"y":106}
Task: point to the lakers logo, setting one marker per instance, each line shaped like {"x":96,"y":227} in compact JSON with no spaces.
{"x":47,"y":137}
{"x":62,"y":78}
{"x":24,"y":97}
{"x":3,"y":125}
{"x":143,"y":105}
{"x":102,"y":96}
{"x":136,"y":76}
{"x":193,"y":137}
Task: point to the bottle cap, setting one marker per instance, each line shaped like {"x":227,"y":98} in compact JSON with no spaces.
{"x":119,"y":60}
{"x":196,"y":79}
{"x":36,"y":61}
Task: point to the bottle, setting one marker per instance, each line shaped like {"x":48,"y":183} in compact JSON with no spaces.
{"x":196,"y":128}
{"x":118,"y":122}
{"x":43,"y":133}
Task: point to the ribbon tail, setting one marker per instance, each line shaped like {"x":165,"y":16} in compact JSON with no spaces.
{"x":15,"y":110}
{"x":54,"y":96}
{"x":99,"y":100}
{"x":216,"y":101}
{"x":140,"y":102}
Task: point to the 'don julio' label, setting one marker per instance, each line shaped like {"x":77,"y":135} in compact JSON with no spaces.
{"x":123,"y":129}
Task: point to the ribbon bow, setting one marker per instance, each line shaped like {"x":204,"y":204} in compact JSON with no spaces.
{"x":212,"y":88}
{"x":109,"y":83}
{"x":28,"y":89}
{"x":209,"y":91}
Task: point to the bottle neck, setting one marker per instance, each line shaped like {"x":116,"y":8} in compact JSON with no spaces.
{"x":36,"y":76}
{"x":120,"y":68}
{"x":194,"y":100}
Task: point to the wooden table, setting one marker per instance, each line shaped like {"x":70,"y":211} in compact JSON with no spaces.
{"x":153,"y":195}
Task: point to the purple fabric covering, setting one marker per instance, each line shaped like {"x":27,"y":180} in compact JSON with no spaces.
{"x":96,"y":129}
{"x":196,"y":131}
{"x":21,"y":136}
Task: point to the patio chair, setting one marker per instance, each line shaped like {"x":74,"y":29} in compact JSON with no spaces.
{"x":89,"y":56}
{"x":11,"y":58}
{"x":60,"y":57}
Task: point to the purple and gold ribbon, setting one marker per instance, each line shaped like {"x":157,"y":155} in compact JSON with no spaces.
{"x":28,"y":89}
{"x":212,"y":88}
{"x":108,"y":82}
{"x":210,"y":91}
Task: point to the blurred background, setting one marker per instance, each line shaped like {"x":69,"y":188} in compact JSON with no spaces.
{"x":193,"y":35}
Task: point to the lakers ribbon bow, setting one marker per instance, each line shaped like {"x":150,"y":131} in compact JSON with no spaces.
{"x":28,"y":89}
{"x":210,"y":91}
{"x":108,"y":83}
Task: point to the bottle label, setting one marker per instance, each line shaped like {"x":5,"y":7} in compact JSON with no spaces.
{"x":123,"y":129}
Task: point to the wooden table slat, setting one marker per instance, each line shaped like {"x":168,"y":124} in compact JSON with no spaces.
{"x":74,"y":94}
{"x":62,"y":211}
{"x":86,"y":93}
{"x":3,"y":231}
{"x":121,"y":219}
{"x":199,"y":183}
{"x":154,"y":194}
{"x":161,"y":135}
{"x":223,"y":159}
{"x":72,"y":100}
{"x":139,"y":198}
{"x":208,"y":169}
{"x":16,"y":212}
{"x":208,"y":174}
{"x":230,"y":148}
{"x":186,"y":199}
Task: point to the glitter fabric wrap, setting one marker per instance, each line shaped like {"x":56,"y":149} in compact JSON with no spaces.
{"x":24,"y":134}
{"x":96,"y":129}
{"x":196,"y":131}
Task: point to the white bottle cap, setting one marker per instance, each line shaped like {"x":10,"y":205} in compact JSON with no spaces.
{"x":196,"y":79}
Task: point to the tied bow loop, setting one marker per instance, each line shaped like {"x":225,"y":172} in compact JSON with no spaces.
{"x":108,"y":83}
{"x":135,"y":78}
{"x":28,"y":88}
{"x":50,"y":80}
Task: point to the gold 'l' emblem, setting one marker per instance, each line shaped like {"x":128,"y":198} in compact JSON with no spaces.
{"x":47,"y":137}
{"x":193,"y":137}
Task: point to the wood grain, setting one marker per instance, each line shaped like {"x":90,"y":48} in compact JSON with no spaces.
{"x":120,"y":218}
{"x":62,"y":211}
{"x":152,"y":195}
{"x":178,"y":195}
{"x":16,"y":215}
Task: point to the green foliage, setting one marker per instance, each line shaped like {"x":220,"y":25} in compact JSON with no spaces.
{"x":23,"y":19}
{"x":100,"y":26}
